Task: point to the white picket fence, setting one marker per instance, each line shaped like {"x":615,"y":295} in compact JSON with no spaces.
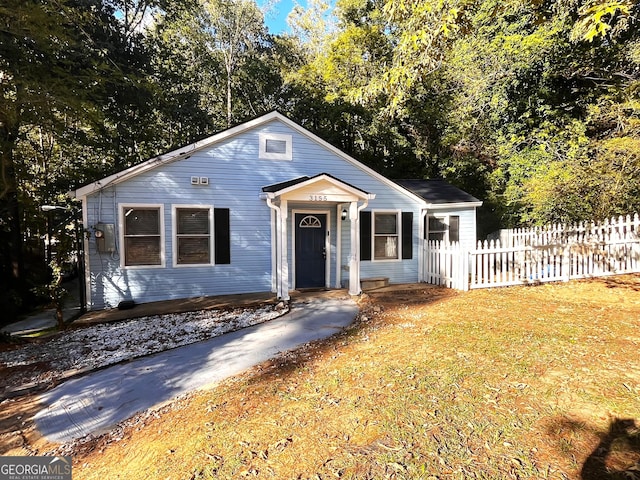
{"x":553,"y":253}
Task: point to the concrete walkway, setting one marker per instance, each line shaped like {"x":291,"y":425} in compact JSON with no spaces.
{"x":96,"y":402}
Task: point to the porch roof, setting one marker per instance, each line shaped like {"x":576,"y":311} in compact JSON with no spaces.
{"x":279,"y":187}
{"x":322,"y":185}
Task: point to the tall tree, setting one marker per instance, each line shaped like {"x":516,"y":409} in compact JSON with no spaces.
{"x":63,"y":65}
{"x":231,"y":29}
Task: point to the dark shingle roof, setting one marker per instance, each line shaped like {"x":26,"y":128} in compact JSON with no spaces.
{"x":437,"y":191}
{"x":276,"y":187}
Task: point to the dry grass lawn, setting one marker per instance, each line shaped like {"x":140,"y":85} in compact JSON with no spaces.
{"x":522,"y":382}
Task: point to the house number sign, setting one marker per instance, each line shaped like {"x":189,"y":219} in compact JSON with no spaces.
{"x":319,"y":198}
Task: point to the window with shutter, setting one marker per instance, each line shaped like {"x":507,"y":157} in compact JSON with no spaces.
{"x":385,"y":236}
{"x":193,"y":236}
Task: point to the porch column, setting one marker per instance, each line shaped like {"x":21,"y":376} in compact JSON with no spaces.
{"x":354,"y":256}
{"x":421,"y":244}
{"x":284,"y":261}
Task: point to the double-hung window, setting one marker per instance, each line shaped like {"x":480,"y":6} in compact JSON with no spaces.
{"x":443,"y":228}
{"x":142,"y":235}
{"x":193,"y":230}
{"x":386,"y":236}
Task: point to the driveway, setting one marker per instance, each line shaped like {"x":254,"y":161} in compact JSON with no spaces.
{"x":94,"y":403}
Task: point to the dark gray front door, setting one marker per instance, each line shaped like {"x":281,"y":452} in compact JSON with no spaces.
{"x":311,"y":256}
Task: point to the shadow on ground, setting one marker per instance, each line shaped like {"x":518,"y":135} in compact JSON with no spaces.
{"x":617,"y":456}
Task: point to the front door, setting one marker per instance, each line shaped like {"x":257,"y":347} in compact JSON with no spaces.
{"x":311,"y":251}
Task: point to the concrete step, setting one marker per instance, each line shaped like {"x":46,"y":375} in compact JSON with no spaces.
{"x":373,"y":283}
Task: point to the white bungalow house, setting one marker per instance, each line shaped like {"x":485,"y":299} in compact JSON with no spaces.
{"x":264,"y":206}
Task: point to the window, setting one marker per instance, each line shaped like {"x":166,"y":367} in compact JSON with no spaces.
{"x":310,"y":221}
{"x":201,"y":235}
{"x":275,"y":146}
{"x":193,"y":236}
{"x":385,"y":236}
{"x":443,"y":228}
{"x":142,"y":232}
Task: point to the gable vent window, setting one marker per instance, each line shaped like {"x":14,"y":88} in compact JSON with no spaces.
{"x":275,"y":146}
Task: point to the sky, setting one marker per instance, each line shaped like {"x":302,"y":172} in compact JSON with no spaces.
{"x":276,"y":17}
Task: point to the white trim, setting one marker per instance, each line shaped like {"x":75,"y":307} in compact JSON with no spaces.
{"x":284,"y":251}
{"x":183,"y":152}
{"x":398,"y":214}
{"x":327,"y":244}
{"x":263,"y":154}
{"x":174,"y":235}
{"x":123,"y":254}
{"x":274,"y":256}
{"x":339,"y":208}
{"x":448,"y":206}
{"x":421,"y":240}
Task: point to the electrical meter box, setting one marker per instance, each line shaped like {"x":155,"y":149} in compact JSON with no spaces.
{"x":105,"y":237}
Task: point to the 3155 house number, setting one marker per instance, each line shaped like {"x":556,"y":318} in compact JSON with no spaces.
{"x":319,"y":198}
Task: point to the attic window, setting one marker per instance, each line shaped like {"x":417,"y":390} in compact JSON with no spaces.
{"x":275,"y":147}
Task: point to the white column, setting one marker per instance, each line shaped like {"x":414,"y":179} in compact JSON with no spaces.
{"x":274,"y":250}
{"x":354,"y":254}
{"x":283,"y":245}
{"x":338,"y":283}
{"x":421,"y":244}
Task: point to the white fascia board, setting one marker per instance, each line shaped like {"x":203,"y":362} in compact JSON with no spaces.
{"x":447,"y":206}
{"x":173,"y":155}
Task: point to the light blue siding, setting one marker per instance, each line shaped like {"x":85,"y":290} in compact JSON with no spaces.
{"x":236,"y":177}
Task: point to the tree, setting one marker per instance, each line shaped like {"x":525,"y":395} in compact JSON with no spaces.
{"x":63,"y":65}
{"x":231,"y":30}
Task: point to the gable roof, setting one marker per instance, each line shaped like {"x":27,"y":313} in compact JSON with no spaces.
{"x":185,"y":152}
{"x":439,"y":192}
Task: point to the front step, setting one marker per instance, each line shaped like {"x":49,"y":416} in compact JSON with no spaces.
{"x":373,"y":283}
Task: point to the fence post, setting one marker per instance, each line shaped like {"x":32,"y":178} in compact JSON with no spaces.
{"x":566,"y":262}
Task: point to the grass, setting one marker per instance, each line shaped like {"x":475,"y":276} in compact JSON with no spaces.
{"x":523,"y":382}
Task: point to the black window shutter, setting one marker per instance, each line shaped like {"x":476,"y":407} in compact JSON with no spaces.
{"x":407,"y":235}
{"x":365,"y":235}
{"x":222,"y":236}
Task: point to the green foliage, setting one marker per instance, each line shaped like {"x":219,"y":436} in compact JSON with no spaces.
{"x":602,"y":19}
{"x":532,"y":106}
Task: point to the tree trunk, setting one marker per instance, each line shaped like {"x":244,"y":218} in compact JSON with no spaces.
{"x":228,"y":98}
{"x":11,"y":277}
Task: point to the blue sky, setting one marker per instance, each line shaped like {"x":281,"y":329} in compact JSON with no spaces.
{"x":276,"y":17}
